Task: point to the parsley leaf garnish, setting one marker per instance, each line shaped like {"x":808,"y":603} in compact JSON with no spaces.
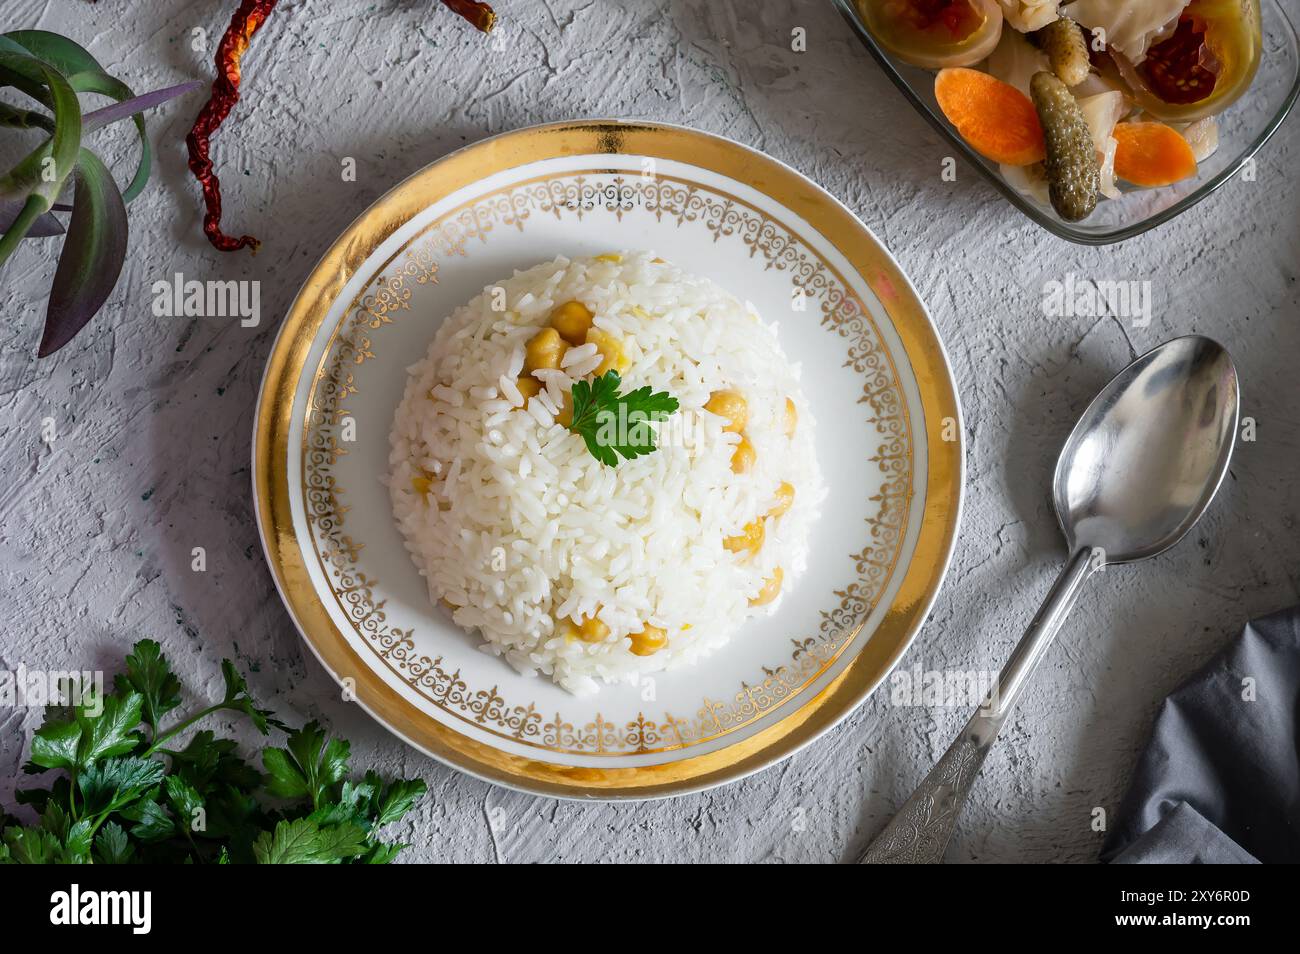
{"x":122,"y":792}
{"x":613,"y":424}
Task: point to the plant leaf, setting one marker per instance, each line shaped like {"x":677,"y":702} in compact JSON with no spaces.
{"x":151,"y":823}
{"x":16,"y":118}
{"x":324,"y":761}
{"x":78,"y":840}
{"x":235,"y":818}
{"x":22,"y":77}
{"x":400,"y":797}
{"x":101,"y":82}
{"x":86,"y":75}
{"x":312,"y":765}
{"x":33,"y":846}
{"x":97,"y":119}
{"x":66,"y":55}
{"x":303,"y":842}
{"x":149,"y":673}
{"x":609,"y":422}
{"x":185,"y":800}
{"x":112,"y":846}
{"x":44,"y":225}
{"x":209,"y":763}
{"x":30,"y":210}
{"x":32,"y":174}
{"x":40,"y":176}
{"x":92,"y":255}
{"x":110,"y":732}
{"x":382,"y":854}
{"x":112,"y":784}
{"x":285,"y":780}
{"x":54,"y":745}
{"x":238,"y":699}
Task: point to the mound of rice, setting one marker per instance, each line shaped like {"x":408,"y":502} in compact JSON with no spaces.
{"x":521,"y":533}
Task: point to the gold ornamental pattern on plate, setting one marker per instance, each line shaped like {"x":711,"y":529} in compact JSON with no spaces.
{"x":685,"y":204}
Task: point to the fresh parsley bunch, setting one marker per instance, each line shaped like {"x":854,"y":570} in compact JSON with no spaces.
{"x":126,"y":795}
{"x":612,"y":423}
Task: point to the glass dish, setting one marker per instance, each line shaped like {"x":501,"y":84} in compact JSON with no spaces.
{"x":1243,"y":128}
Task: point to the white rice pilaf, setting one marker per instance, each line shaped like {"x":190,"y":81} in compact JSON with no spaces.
{"x":523,"y":535}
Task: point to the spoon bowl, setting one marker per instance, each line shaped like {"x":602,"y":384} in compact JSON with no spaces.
{"x":1149,"y":452}
{"x":1137,"y":472}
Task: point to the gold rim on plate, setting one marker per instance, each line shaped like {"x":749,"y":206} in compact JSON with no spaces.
{"x":866,"y":256}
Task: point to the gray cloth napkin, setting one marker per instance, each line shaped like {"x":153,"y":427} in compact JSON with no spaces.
{"x":1220,"y":780}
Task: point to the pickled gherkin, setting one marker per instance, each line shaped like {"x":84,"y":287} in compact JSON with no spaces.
{"x":1072,"y":175}
{"x":1067,"y":50}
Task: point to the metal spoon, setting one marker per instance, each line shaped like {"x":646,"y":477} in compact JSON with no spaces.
{"x":1137,"y":472}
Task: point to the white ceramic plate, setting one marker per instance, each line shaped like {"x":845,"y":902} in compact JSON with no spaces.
{"x":874,"y":374}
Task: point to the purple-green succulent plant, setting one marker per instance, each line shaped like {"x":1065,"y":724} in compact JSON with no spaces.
{"x":53,"y":70}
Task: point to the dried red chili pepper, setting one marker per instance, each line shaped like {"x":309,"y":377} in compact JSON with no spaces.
{"x":479,"y":14}
{"x":225,"y":93}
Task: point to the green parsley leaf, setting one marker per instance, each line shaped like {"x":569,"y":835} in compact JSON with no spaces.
{"x":186,"y":802}
{"x":54,"y":745}
{"x":32,"y":846}
{"x":121,"y":795}
{"x":55,"y":821}
{"x":382,"y":854}
{"x":101,"y":727}
{"x":107,"y":726}
{"x":310,"y":766}
{"x":360,"y":796}
{"x":112,"y":784}
{"x":285,"y":778}
{"x":235,"y":818}
{"x":613,"y":425}
{"x":303,"y":842}
{"x":237,"y":698}
{"x":399,"y":798}
{"x":149,"y":673}
{"x":112,"y":847}
{"x":80,"y":835}
{"x":152,"y":824}
{"x":207,"y":763}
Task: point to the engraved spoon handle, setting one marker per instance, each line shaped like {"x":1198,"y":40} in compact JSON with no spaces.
{"x":919,"y":833}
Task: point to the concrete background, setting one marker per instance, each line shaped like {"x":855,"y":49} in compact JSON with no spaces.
{"x":154,"y":416}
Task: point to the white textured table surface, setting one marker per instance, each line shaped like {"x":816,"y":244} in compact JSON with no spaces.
{"x":154,"y":416}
